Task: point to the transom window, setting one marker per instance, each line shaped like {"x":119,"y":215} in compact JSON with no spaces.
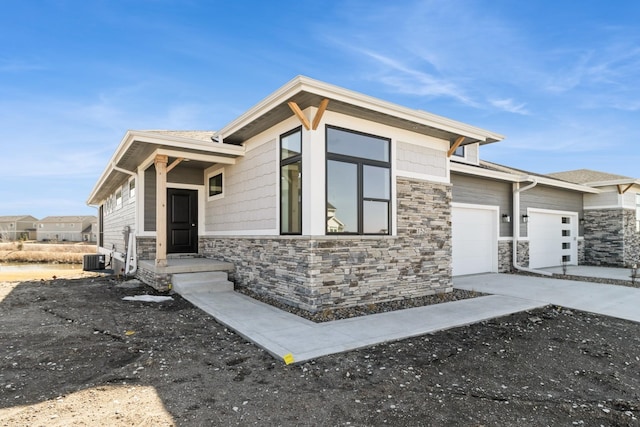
{"x":358,"y":182}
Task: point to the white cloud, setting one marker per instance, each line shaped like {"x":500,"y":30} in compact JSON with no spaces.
{"x":509,"y":106}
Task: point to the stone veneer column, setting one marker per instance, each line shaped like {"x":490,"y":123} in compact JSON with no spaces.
{"x":604,"y":237}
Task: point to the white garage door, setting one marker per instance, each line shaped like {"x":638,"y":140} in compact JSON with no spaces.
{"x":475,"y":243}
{"x":552,"y":239}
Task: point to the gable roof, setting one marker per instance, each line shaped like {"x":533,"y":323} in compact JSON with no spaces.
{"x":593,"y":178}
{"x":306,"y":92}
{"x":15,"y":218}
{"x":68,"y":218}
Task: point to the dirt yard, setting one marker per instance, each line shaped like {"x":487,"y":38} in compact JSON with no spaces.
{"x":74,"y":353}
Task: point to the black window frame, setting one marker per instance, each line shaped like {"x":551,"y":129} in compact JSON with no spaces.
{"x":211,"y":177}
{"x":462,"y":153}
{"x":285,"y":162}
{"x":361,"y":162}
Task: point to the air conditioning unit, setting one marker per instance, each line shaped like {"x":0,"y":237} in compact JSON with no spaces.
{"x":93,"y":262}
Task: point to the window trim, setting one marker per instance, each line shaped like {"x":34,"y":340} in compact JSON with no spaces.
{"x":132,"y":198}
{"x":289,"y":161}
{"x":360,"y":163}
{"x":212,"y":174}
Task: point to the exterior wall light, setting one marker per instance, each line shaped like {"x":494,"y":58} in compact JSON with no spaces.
{"x":506,"y":218}
{"x":525,"y":218}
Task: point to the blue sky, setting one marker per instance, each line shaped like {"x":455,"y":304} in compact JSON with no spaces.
{"x":561,"y":79}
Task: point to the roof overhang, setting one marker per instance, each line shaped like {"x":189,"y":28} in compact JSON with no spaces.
{"x":466,"y":169}
{"x":306,"y":92}
{"x":623,"y":185}
{"x":138,"y":146}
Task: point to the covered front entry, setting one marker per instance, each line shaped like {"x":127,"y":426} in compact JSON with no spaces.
{"x":182,"y":221}
{"x":553,"y":238}
{"x":475,"y":239}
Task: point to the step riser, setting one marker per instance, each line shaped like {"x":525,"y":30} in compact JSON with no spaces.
{"x":205,"y":282}
{"x":209,"y":287}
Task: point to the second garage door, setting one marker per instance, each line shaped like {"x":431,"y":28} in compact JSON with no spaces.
{"x":474,"y":239}
{"x":552,"y":238}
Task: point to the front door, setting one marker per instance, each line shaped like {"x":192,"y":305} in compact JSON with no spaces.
{"x":182,"y":221}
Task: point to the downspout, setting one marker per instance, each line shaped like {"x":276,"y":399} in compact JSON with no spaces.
{"x":131,"y":262}
{"x":516,"y":225}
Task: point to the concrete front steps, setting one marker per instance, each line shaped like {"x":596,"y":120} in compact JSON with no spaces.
{"x":201,"y":282}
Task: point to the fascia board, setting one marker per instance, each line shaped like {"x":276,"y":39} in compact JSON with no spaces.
{"x":613,"y":182}
{"x":302,"y":83}
{"x":504,"y":176}
{"x":484,"y":173}
{"x":567,"y":185}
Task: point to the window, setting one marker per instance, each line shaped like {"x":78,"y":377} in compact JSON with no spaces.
{"x":132,"y":190}
{"x":459,"y":151}
{"x":215,"y":185}
{"x":358,"y":183}
{"x":291,"y":182}
{"x":119,"y":199}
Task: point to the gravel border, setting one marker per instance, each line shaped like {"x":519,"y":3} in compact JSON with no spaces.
{"x":329,"y":315}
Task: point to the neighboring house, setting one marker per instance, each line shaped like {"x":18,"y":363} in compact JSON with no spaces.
{"x":17,"y":227}
{"x":67,"y":229}
{"x":493,"y":203}
{"x":612,"y":217}
{"x":320,"y":197}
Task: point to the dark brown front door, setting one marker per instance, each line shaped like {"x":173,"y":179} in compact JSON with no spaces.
{"x":182,"y":221}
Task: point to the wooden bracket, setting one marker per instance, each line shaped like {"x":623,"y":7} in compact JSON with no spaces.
{"x":319,"y":113}
{"x":621,"y":191}
{"x":455,"y":146}
{"x":299,"y":114}
{"x":305,"y":122}
{"x":175,"y":163}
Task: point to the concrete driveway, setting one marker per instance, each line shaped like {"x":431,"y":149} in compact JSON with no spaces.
{"x":610,"y":300}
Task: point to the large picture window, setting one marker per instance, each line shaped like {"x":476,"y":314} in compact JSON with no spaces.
{"x":358,"y":183}
{"x":291,"y":182}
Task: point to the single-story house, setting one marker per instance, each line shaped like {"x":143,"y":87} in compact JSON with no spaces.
{"x":322,"y":197}
{"x":67,"y":229}
{"x":17,"y":227}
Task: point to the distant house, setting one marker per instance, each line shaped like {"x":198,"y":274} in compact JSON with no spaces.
{"x":67,"y":229}
{"x":611,"y":217}
{"x":17,"y":227}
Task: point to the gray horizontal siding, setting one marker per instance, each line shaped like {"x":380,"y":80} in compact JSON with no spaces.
{"x":556,"y":199}
{"x":481,"y":191}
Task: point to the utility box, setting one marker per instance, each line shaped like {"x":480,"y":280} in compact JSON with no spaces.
{"x":93,"y":262}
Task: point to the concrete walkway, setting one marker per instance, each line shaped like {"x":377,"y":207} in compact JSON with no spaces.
{"x":590,"y":271}
{"x":283,"y":334}
{"x":616,"y":301}
{"x":294,"y":339}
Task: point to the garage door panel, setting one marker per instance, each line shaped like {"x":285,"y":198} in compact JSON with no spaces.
{"x":474,"y":238}
{"x":552,"y":239}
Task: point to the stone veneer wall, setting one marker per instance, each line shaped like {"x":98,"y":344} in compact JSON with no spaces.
{"x":316,"y":273}
{"x":146,"y":248}
{"x":631,"y":239}
{"x":604,"y":237}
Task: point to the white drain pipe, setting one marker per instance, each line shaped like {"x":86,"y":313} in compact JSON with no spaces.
{"x":516,"y":225}
{"x":131,"y":261}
